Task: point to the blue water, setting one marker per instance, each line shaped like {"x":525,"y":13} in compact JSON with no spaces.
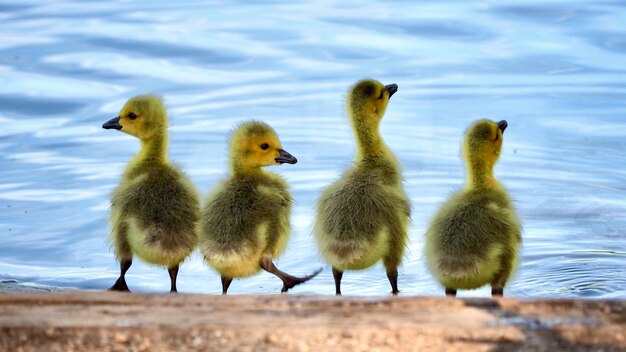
{"x":554,"y":69}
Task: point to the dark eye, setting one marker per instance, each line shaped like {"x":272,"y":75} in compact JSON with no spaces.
{"x":381,"y":94}
{"x":132,"y":116}
{"x":264,"y":146}
{"x":497,"y":135}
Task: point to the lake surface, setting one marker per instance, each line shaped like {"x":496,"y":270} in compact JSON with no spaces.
{"x":555,"y":70}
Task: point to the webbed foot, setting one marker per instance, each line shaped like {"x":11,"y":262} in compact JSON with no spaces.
{"x":120,"y":285}
{"x":291,"y":281}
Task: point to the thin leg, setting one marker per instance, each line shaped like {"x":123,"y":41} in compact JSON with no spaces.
{"x":337,"y":274}
{"x":502,"y":276}
{"x":173,"y":271}
{"x":225,"y":284}
{"x":497,"y":292}
{"x":288,"y":280}
{"x":120,"y":284}
{"x":450,"y":292}
{"x":392,"y":275}
{"x":397,"y":241}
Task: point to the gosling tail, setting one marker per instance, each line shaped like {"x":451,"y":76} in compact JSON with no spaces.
{"x":466,"y":271}
{"x":353,"y":254}
{"x":459,"y":267}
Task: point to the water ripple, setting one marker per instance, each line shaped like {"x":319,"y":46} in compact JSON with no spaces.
{"x":555,"y":71}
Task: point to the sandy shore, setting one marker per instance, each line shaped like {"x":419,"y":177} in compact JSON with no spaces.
{"x":105,"y":321}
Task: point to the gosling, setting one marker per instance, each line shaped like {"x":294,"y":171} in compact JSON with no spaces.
{"x":363,"y":217}
{"x":473,"y":240}
{"x":155,"y":208}
{"x":244,"y":224}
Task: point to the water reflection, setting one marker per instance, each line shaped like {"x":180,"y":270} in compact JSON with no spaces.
{"x":554,"y":71}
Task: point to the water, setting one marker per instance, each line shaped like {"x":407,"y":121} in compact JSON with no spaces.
{"x":554,"y":70}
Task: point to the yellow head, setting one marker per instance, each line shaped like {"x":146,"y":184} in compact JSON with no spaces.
{"x":367,"y":101}
{"x":483,"y":141}
{"x":143,"y":116}
{"x":255,"y":144}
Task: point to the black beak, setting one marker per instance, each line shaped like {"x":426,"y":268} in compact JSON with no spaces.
{"x":391,"y":88}
{"x":502,"y":125}
{"x":285,"y":157}
{"x":113,"y":123}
